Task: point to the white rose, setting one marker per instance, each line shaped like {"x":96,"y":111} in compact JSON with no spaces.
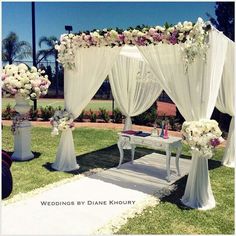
{"x":22,"y":67}
{"x":33,"y":69}
{"x":28,"y":86}
{"x":37,"y":89}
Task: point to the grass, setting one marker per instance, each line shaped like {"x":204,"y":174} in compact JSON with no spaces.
{"x":96,"y":148}
{"x":37,"y":173}
{"x":171,"y":217}
{"x":93,"y":105}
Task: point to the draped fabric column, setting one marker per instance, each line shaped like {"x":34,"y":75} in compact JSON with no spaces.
{"x":195,"y":94}
{"x":133,"y":87}
{"x":92,"y":66}
{"x":225,"y":103}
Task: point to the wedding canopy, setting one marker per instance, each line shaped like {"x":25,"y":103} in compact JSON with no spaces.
{"x":186,"y":60}
{"x":225,"y":103}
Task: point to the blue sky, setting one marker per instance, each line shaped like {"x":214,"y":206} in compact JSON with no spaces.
{"x":51,"y":17}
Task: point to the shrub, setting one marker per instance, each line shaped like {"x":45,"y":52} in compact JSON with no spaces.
{"x":7,"y":113}
{"x":80,"y":118}
{"x":47,"y":112}
{"x":33,"y":114}
{"x":146,"y":118}
{"x":93,"y":116}
{"x":117,"y":116}
{"x":104,"y":114}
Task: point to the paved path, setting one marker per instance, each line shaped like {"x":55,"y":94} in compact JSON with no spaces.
{"x":92,"y":202}
{"x":94,"y":125}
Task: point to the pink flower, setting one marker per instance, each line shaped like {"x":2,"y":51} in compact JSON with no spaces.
{"x":4,"y":76}
{"x":215,"y":142}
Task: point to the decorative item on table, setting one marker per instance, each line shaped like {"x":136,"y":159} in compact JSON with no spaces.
{"x":142,"y":134}
{"x":202,"y":136}
{"x":162,"y":129}
{"x":61,"y":121}
{"x":155,"y":132}
{"x":131,"y":132}
{"x":166,"y":131}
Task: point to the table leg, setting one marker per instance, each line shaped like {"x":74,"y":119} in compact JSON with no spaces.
{"x":168,"y":156}
{"x":179,"y":150}
{"x":132,"y":153}
{"x":121,"y":153}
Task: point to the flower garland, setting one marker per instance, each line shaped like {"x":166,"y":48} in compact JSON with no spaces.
{"x":202,"y":136}
{"x":191,"y":36}
{"x":61,"y":120}
{"x":28,"y":82}
{"x":17,"y":120}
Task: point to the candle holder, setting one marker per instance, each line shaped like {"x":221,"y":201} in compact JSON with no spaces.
{"x":162,"y":129}
{"x":166,"y":131}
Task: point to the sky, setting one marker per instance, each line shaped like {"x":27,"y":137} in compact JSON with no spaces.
{"x":51,"y":17}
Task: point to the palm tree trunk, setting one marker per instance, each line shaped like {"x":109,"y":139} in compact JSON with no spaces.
{"x":56,"y":75}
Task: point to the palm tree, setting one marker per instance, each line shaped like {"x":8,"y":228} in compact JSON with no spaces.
{"x":50,"y":51}
{"x":13,"y":49}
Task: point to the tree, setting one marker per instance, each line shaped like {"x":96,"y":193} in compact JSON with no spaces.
{"x":224,"y":21}
{"x":49,"y":52}
{"x":13,"y":49}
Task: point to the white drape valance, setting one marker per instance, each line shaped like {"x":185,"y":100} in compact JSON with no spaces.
{"x":133,"y":86}
{"x":92,"y":66}
{"x":195,"y":94}
{"x":225,"y":103}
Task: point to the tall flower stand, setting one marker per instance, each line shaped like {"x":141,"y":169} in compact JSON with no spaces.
{"x":22,"y":134}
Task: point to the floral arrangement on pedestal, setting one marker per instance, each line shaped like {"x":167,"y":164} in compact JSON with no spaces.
{"x":192,"y":38}
{"x":61,"y":121}
{"x":30,"y":83}
{"x":202,"y":136}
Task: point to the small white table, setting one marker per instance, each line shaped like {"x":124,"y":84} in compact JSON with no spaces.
{"x":127,"y":141}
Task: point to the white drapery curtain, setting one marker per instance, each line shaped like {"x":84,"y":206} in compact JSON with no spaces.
{"x":195,"y":94}
{"x":133,"y":86}
{"x":92,"y":66}
{"x":225,"y":103}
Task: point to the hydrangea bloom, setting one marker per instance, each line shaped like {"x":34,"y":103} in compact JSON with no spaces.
{"x":202,"y":136}
{"x":28,"y":82}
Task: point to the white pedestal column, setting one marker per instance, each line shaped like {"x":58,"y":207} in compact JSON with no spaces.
{"x":22,"y":135}
{"x":22,"y":142}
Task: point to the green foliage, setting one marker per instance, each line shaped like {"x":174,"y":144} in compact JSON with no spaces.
{"x":80,"y":118}
{"x":146,"y":118}
{"x":13,"y":49}
{"x":104,"y":115}
{"x":7,"y":113}
{"x":92,"y":116}
{"x":33,"y":114}
{"x":117,"y":116}
{"x":47,"y":112}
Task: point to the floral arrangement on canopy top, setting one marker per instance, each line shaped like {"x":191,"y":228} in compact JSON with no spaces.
{"x":202,"y":136}
{"x":191,"y":36}
{"x":22,"y":80}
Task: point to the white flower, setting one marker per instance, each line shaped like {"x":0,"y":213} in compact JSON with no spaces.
{"x":33,"y":69}
{"x":22,"y":67}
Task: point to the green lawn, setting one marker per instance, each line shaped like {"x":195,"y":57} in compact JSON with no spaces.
{"x":170,"y":217}
{"x":96,"y":148}
{"x":93,"y":104}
